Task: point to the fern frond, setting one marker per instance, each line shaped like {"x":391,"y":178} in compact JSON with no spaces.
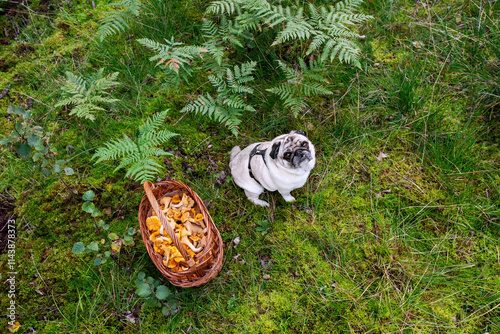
{"x":153,"y":138}
{"x":295,"y":104}
{"x":86,"y":110}
{"x":224,"y":7}
{"x":116,"y":148}
{"x":139,"y":156}
{"x":237,"y":103}
{"x":144,"y":170}
{"x":87,"y":94}
{"x":305,"y":81}
{"x":172,"y":54}
{"x":209,"y":107}
{"x":153,"y":122}
{"x":107,"y":82}
{"x":116,"y":20}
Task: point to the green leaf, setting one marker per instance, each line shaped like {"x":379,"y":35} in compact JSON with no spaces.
{"x":69,"y":171}
{"x":152,"y":301}
{"x":19,"y":126}
{"x":131,"y":231}
{"x":89,"y":207}
{"x":128,"y":240}
{"x":40,"y":147}
{"x":162,"y":292}
{"x":37,"y":156}
{"x":143,"y":290}
{"x":174,"y":305}
{"x":141,"y":275}
{"x":12,"y":109}
{"x":78,"y":248}
{"x":107,"y":253}
{"x":60,"y":162}
{"x":33,"y":140}
{"x":88,"y":196}
{"x":24,"y":150}
{"x":6,"y":141}
{"x":56,"y":168}
{"x":96,"y":212}
{"x":113,"y":236}
{"x":46,"y":171}
{"x":93,"y":246}
{"x":97,"y":261}
{"x":165,"y":311}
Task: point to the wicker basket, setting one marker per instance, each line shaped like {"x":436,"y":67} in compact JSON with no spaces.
{"x":205,"y":265}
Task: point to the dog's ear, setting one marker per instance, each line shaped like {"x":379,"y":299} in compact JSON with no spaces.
{"x":300,"y":132}
{"x":274,"y":150}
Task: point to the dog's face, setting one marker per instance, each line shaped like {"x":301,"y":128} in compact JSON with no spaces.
{"x":294,"y":151}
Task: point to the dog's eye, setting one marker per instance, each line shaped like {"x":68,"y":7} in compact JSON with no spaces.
{"x":287,"y":155}
{"x":305,"y":144}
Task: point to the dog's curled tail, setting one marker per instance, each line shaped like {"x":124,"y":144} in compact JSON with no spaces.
{"x":234,"y":152}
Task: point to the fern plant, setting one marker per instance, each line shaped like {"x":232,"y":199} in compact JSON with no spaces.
{"x":138,"y":155}
{"x":117,"y":20}
{"x":86,"y":94}
{"x":230,"y":101}
{"x":219,"y":36}
{"x":176,"y":57}
{"x":328,"y":29}
{"x":300,"y":84}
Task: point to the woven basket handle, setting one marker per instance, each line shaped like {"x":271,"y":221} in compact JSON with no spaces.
{"x":154,"y":203}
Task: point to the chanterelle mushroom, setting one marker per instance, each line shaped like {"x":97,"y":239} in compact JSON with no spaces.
{"x":183,"y":202}
{"x":185,"y":241}
{"x":166,"y":201}
{"x":194,"y":228}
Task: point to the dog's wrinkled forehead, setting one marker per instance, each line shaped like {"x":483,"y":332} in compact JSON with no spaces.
{"x":294,"y":140}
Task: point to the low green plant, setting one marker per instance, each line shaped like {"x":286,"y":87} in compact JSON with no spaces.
{"x":89,"y":206}
{"x":156,"y":295}
{"x":104,"y":248}
{"x":138,"y":155}
{"x":264,"y":226}
{"x":86,"y":94}
{"x":30,"y":140}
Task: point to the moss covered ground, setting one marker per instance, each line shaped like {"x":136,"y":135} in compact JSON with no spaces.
{"x":396,"y":231}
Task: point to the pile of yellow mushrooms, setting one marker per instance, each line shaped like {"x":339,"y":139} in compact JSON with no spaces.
{"x":186,"y":220}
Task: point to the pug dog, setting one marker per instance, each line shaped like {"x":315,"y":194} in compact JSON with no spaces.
{"x":282,"y":164}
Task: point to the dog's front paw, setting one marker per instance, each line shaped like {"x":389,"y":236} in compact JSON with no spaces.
{"x":260,"y":202}
{"x":254,"y":198}
{"x":289,"y":198}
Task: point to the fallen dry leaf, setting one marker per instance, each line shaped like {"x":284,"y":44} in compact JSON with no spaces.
{"x":381,"y":156}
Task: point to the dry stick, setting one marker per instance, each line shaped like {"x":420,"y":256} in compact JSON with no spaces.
{"x":67,"y":186}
